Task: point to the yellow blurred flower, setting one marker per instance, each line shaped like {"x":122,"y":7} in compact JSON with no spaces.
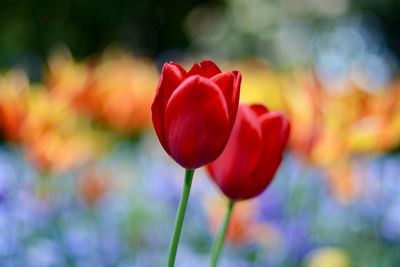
{"x":259,"y":83}
{"x":328,"y":257}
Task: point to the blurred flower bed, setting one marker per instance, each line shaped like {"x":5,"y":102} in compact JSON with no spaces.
{"x":83,"y":181}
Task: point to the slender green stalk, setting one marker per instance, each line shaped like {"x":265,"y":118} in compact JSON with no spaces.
{"x":180,"y":216}
{"x":220,"y":238}
{"x":43,"y":186}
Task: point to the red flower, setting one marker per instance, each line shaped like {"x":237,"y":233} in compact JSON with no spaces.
{"x":193,"y":112}
{"x":253,"y":153}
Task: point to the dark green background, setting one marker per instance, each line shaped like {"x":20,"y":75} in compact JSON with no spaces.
{"x":30,"y":29}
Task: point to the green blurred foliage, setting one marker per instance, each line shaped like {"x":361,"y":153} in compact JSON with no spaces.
{"x":31,"y":28}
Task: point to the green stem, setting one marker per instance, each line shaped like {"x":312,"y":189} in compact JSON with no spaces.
{"x":220,"y":238}
{"x":43,"y":186}
{"x":180,"y":216}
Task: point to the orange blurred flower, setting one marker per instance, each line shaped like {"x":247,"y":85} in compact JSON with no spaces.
{"x":93,"y":185}
{"x":327,"y":122}
{"x":241,"y":221}
{"x":377,"y":129}
{"x":54,"y":138}
{"x":243,"y":227}
{"x":13,"y":86}
{"x":303,"y":100}
{"x":67,"y":79}
{"x":117,"y":91}
{"x":331,"y":124}
{"x":343,"y":182}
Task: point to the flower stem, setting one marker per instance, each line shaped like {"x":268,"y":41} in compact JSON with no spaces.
{"x":220,"y":238}
{"x":180,"y":216}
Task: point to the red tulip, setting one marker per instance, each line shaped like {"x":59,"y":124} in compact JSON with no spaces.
{"x":193,"y":112}
{"x":253,"y":154}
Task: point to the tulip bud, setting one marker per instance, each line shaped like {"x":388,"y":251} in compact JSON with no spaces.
{"x":253,"y":154}
{"x":193,"y":112}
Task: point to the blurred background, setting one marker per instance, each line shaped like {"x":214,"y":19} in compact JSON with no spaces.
{"x":84,"y":181}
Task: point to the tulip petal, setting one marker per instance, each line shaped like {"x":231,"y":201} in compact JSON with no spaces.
{"x":275,"y":127}
{"x":229,"y":83}
{"x":240,"y":155}
{"x":236,"y":93}
{"x":274,"y":140}
{"x":285,"y":133}
{"x":205,"y":68}
{"x":171,"y":77}
{"x":279,"y":124}
{"x":259,"y":109}
{"x":196,"y":122}
{"x":225,"y":81}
